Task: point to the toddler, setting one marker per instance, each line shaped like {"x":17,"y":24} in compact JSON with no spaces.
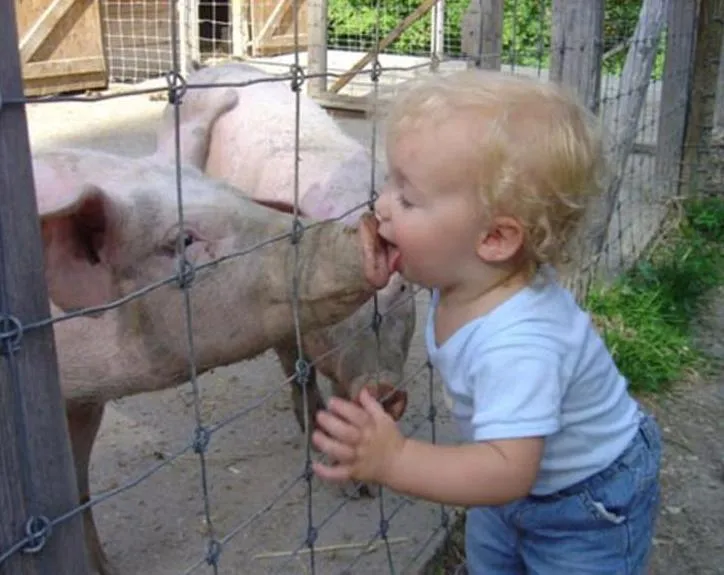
{"x":488,"y":176}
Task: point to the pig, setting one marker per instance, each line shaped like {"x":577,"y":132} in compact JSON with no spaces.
{"x":109,"y":226}
{"x":252,"y":146}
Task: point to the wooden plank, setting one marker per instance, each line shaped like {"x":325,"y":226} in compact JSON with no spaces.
{"x":675,"y":90}
{"x":37,"y":34}
{"x":702,"y":104}
{"x":38,"y":475}
{"x":67,"y":67}
{"x":395,"y":33}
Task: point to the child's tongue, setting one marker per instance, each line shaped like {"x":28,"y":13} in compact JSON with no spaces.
{"x":393,"y":258}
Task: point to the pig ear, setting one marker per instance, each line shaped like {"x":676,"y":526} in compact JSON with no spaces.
{"x":76,"y":224}
{"x":279,"y":205}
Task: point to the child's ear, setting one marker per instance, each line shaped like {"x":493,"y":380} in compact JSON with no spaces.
{"x":502,"y":240}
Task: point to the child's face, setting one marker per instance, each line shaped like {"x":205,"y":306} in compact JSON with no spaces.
{"x":427,"y":207}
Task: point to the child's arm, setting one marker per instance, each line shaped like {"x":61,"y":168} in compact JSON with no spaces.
{"x":372,"y":449}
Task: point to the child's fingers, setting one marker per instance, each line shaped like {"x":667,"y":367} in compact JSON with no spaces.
{"x":332,"y":448}
{"x":336,"y":474}
{"x":348,"y":410}
{"x":371,"y":405}
{"x":337,"y":428}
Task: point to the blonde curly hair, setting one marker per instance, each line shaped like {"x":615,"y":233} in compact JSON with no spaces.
{"x":538,"y":151}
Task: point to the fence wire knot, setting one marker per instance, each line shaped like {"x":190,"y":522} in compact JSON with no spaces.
{"x":297,"y":232}
{"x":298,"y":77}
{"x":186,"y":273}
{"x":302,"y":368}
{"x":202,"y":437}
{"x":37,"y":530}
{"x":432,"y":413}
{"x":312,"y":534}
{"x":376,"y":71}
{"x":176,"y":86}
{"x":374,"y":194}
{"x":11,"y":331}
{"x":384,"y":528}
{"x":213,"y":553}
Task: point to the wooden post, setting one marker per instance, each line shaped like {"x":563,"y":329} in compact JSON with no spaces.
{"x":37,"y":476}
{"x":317,"y":46}
{"x":702,"y":105}
{"x":437,"y":35}
{"x":577,"y":47}
{"x":719,"y":116}
{"x":482,"y":33}
{"x":575,"y":61}
{"x":189,"y":44}
{"x":675,"y":90}
{"x":239,"y":30}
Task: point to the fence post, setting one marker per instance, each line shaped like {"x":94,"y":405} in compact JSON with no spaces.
{"x":37,"y":477}
{"x":317,"y":46}
{"x":577,"y":47}
{"x":575,"y":60}
{"x":482,"y":34}
{"x":702,"y":105}
{"x":675,"y":90}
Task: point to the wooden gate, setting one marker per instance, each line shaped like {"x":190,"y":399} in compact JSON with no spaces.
{"x":272,"y":26}
{"x":61,"y":45}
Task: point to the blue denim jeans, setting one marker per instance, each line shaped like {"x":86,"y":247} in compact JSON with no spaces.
{"x":603,"y":525}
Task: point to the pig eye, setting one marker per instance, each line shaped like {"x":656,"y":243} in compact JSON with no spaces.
{"x":187,"y":238}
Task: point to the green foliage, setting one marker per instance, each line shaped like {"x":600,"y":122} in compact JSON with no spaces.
{"x":526,"y":29}
{"x":646,"y":315}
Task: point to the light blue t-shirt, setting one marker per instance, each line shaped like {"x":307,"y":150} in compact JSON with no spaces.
{"x":535,"y":365}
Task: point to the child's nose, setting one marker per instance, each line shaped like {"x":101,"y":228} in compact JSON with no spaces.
{"x":381,"y":207}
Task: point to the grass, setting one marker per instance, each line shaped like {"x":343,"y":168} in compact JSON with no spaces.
{"x":645,"y":318}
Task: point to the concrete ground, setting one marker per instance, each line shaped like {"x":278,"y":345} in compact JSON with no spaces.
{"x":158,"y":526}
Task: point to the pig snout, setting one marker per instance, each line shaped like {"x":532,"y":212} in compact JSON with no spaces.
{"x":393,"y":400}
{"x":375,"y":250}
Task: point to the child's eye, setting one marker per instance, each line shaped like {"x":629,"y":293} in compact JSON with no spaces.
{"x":404,"y":203}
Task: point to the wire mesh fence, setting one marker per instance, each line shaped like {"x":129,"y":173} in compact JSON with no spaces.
{"x":643,"y":96}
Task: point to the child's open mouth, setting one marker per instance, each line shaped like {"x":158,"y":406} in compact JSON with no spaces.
{"x":393,"y":255}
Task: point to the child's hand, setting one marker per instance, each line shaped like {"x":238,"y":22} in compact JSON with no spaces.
{"x":364,"y":440}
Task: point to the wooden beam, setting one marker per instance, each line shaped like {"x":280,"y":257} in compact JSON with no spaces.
{"x":413,"y":17}
{"x":38,"y":474}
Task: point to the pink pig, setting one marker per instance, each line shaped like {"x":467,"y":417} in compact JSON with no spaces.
{"x":110,"y":228}
{"x":252,"y":147}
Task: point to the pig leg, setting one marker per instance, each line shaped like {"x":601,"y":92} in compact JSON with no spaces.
{"x":83,"y":424}
{"x":287,"y":355}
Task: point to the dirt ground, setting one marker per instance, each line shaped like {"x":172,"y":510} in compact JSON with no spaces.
{"x":690,"y":535}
